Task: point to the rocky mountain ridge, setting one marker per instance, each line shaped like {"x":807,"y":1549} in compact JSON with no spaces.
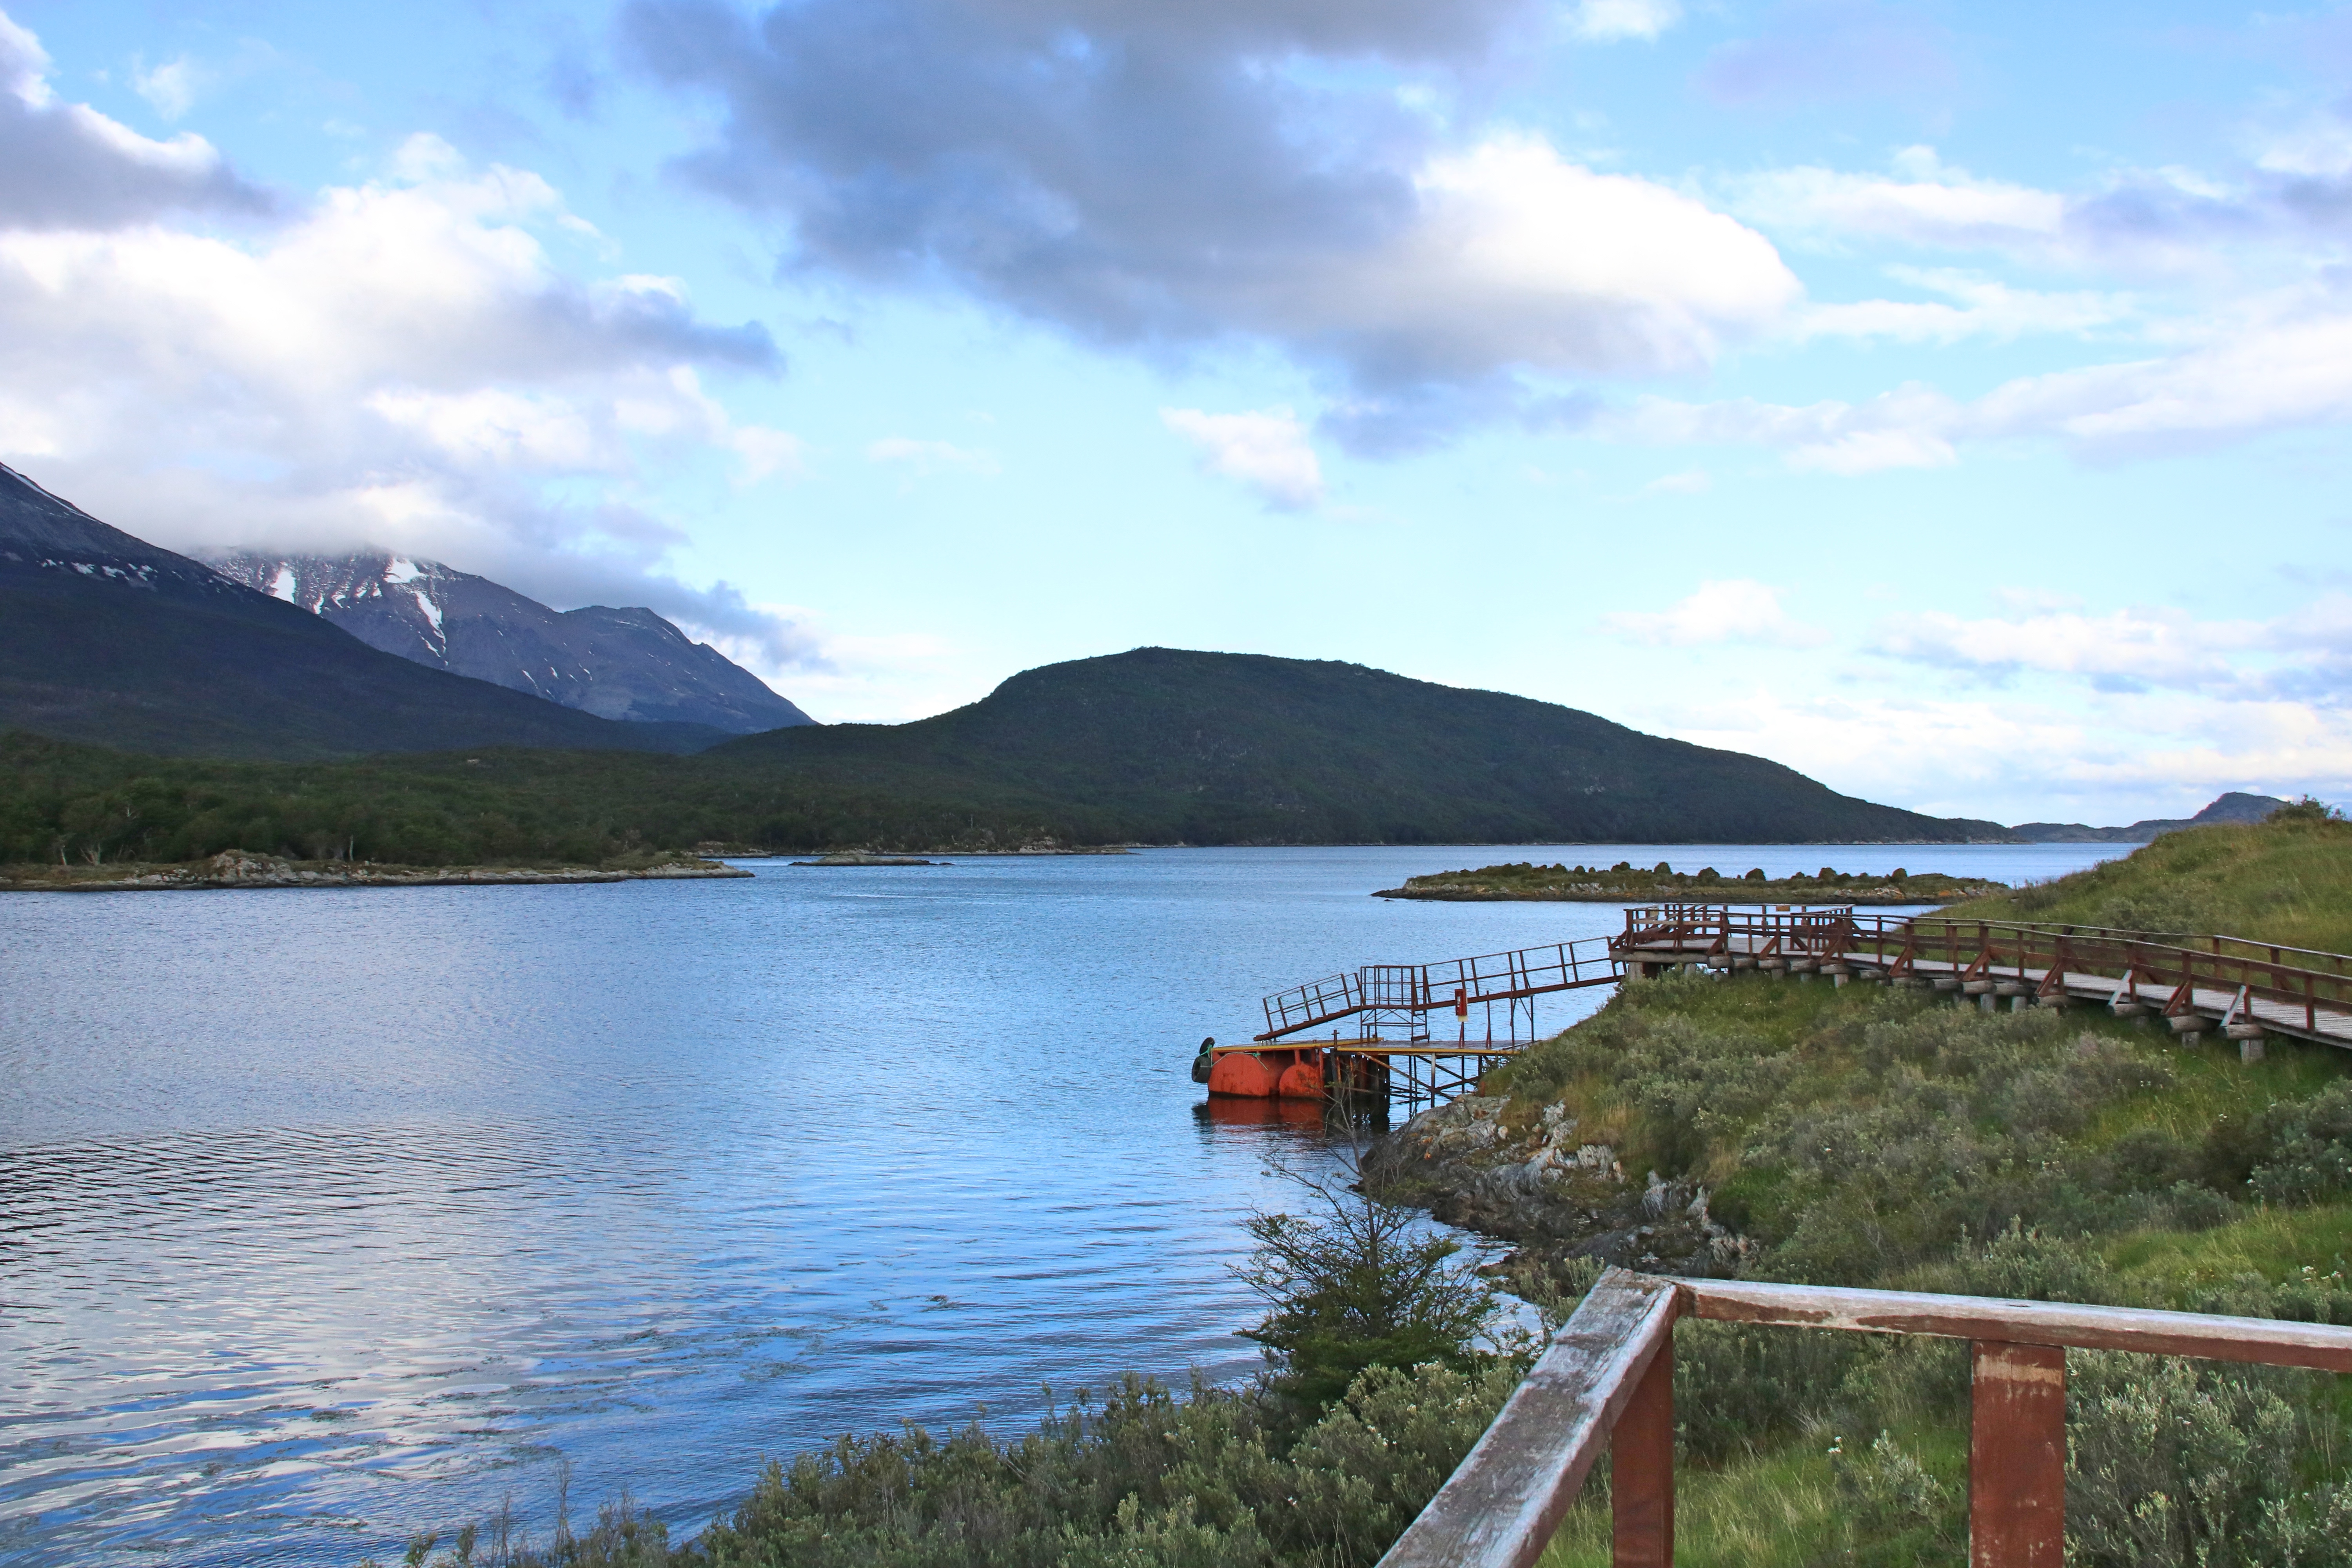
{"x":109,"y":640}
{"x":627,"y":664}
{"x":2234,"y":807}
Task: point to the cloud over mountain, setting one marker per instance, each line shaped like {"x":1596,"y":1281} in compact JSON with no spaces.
{"x":419,"y":361}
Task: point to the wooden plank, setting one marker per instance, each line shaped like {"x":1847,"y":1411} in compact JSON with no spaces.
{"x":2263,"y":1339}
{"x":1641,"y":1472}
{"x":1501,"y":1505}
{"x":2017,"y":1456}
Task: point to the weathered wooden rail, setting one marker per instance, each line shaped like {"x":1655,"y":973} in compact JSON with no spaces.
{"x":1607,"y":1383}
{"x":2246,"y":989}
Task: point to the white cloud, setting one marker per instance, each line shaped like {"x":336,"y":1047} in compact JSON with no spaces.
{"x":2117,"y":759}
{"x":2271,"y":364}
{"x":1906,"y":428}
{"x":1924,"y":203}
{"x":1735,"y":610}
{"x":2277,"y":362}
{"x":1267,"y":451}
{"x":1690,"y":482}
{"x":493,"y":426}
{"x":1519,"y":257}
{"x":1148,"y":176}
{"x":927,"y":457}
{"x":1611,"y":21}
{"x":2140,"y":646}
{"x":2320,"y":145}
{"x":66,"y":166}
{"x":1983,"y":308}
{"x":767,"y":452}
{"x":170,"y":89}
{"x":1874,"y":452}
{"x":404,"y":363}
{"x":2305,"y":654}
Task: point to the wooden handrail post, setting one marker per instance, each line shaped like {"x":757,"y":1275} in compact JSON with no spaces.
{"x":2017,"y":1456}
{"x":1641,"y":1472}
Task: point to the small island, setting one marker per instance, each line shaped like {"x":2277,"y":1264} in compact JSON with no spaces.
{"x":240,"y":868}
{"x":863,"y":857}
{"x":1625,"y":884}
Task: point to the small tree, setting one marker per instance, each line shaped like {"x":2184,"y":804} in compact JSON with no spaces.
{"x":2310,"y":809}
{"x":1357,"y":1284}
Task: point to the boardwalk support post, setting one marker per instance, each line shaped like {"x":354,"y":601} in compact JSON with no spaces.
{"x":2017,"y":1456}
{"x":1641,"y":1472}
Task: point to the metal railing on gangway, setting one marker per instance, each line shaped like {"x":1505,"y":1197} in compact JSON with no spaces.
{"x":1453,"y":983}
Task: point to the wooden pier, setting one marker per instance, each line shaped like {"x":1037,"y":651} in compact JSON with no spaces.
{"x":2246,"y":990}
{"x":1389,"y":1023}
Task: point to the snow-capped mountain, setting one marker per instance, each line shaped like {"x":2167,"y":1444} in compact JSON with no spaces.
{"x":616,"y":664}
{"x":109,"y":640}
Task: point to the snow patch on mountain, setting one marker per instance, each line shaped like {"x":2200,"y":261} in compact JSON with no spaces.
{"x":625,"y":663}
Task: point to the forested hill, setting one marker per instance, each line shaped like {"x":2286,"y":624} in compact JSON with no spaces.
{"x":1153,"y":746}
{"x":1163,"y":745}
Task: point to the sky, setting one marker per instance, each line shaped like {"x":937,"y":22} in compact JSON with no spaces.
{"x":1947,"y":401}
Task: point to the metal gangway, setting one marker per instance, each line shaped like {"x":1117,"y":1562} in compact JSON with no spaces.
{"x":1397,"y":1014}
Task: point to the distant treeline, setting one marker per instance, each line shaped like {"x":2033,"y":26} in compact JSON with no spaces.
{"x":83,"y":804}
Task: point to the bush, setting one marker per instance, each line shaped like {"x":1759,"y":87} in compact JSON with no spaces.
{"x":1360,"y":1284}
{"x":2177,"y":1461}
{"x":2304,"y":1149}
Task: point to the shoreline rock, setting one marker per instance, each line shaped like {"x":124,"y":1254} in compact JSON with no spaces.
{"x":1558,"y":1199}
{"x":242,"y":869}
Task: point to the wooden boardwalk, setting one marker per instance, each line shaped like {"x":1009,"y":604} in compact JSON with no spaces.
{"x":1391,"y":1019}
{"x":2246,"y":990}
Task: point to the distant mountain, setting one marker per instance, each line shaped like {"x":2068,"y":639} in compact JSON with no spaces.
{"x":616,"y":664}
{"x":2235,"y":806}
{"x":1163,"y":745}
{"x":107,"y":639}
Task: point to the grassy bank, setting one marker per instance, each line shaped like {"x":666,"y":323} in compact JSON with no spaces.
{"x":2286,"y":880}
{"x":1883,"y":1138}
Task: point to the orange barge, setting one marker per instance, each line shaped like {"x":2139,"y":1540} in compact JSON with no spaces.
{"x":1294,"y":1072}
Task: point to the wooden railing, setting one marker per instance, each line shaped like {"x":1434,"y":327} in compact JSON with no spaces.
{"x":2303,"y":981}
{"x":2297,"y":979}
{"x":1784,"y":928}
{"x":1607,"y":1381}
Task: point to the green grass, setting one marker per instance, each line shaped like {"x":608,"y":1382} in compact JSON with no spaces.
{"x":1782,"y":1509}
{"x":2275,"y":1246}
{"x":2288,"y":880}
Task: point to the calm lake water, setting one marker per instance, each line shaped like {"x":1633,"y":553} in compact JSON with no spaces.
{"x":330,"y":1216}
